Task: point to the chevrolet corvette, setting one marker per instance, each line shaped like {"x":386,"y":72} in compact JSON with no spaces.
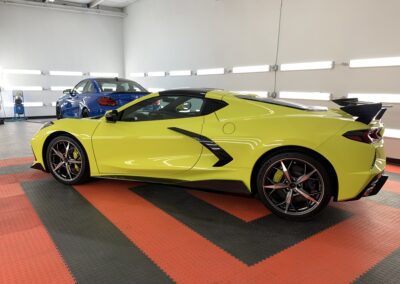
{"x":295,"y":158}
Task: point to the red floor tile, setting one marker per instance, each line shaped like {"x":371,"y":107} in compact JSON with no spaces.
{"x":27,"y":253}
{"x":16,"y":161}
{"x":393,"y":169}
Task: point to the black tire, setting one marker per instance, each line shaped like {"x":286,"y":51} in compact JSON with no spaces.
{"x":85,"y":113}
{"x":75,"y":165}
{"x":303,"y":197}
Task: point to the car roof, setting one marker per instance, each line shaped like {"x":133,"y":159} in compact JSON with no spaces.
{"x":201,"y":92}
{"x":110,"y":78}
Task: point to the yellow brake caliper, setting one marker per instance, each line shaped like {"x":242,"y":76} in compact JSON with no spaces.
{"x":277,"y":176}
{"x":75,"y":155}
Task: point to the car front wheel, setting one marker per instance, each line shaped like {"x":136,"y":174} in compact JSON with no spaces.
{"x":294,"y":185}
{"x":67,"y":160}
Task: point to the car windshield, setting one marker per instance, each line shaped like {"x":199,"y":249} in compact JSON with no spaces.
{"x":120,"y":86}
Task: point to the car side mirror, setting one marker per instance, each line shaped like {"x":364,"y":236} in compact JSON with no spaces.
{"x":112,"y":116}
{"x":67,"y":92}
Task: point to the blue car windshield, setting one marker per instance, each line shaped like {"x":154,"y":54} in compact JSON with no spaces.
{"x":119,"y":86}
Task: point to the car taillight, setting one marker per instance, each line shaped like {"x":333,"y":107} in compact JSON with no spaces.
{"x":104,"y":101}
{"x":366,"y":136}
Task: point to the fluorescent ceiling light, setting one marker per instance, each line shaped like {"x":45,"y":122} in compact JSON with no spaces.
{"x":316,"y":96}
{"x":392,"y":133}
{"x":155,"y":90}
{"x":137,"y":74}
{"x":22,"y":71}
{"x":180,"y":73}
{"x":307,"y":66}
{"x":33,"y":104}
{"x":53,"y":104}
{"x":156,"y":74}
{"x":212,"y":71}
{"x":65,"y":73}
{"x":102,"y":74}
{"x":258,"y":93}
{"x":60,"y":88}
{"x":24,"y":88}
{"x":376,"y":98}
{"x":251,"y":69}
{"x":375,"y":62}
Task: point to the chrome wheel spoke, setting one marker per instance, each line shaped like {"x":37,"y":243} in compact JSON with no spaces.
{"x":68,"y":170}
{"x":66,"y":150}
{"x":306,"y":195}
{"x":59,"y":165}
{"x":74,"y":162}
{"x":285,"y":172}
{"x":288,"y":200}
{"x":58,"y":153}
{"x":276,"y":186}
{"x":305,"y":177}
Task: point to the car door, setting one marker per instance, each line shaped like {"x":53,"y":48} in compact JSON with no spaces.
{"x":144,"y":141}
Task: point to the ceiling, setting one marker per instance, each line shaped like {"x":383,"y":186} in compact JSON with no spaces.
{"x":108,"y":3}
{"x":113,"y":5}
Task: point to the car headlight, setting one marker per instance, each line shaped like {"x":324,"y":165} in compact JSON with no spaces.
{"x":47,"y":124}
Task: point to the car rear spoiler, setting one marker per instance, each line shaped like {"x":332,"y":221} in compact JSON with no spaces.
{"x":365,"y":111}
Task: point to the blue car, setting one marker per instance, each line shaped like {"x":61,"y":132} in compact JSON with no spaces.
{"x":94,"y":96}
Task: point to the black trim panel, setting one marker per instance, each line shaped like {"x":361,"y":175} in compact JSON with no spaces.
{"x":187,"y":92}
{"x":364,"y":111}
{"x":223,"y":157}
{"x":373,"y":187}
{"x":282,"y":103}
{"x":227,"y":186}
{"x":38,"y":166}
{"x":142,"y":179}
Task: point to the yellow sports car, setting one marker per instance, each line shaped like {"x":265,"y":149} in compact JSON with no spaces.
{"x":295,"y":157}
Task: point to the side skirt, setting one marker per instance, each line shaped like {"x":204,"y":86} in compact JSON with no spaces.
{"x":226,"y":186}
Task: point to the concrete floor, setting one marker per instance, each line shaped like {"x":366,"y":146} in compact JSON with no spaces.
{"x":15,"y":137}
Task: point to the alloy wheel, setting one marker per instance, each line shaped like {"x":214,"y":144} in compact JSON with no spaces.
{"x":65,"y":160}
{"x":293,"y":186}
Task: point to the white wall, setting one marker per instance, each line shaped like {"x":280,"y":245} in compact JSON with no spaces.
{"x":189,"y":34}
{"x":44,"y":39}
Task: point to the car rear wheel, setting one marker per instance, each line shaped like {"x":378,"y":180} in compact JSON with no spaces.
{"x":67,"y":160}
{"x":294,"y":185}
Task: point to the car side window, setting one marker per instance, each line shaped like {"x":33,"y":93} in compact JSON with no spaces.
{"x":89,"y":87}
{"x":164,"y":107}
{"x":80,"y":87}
